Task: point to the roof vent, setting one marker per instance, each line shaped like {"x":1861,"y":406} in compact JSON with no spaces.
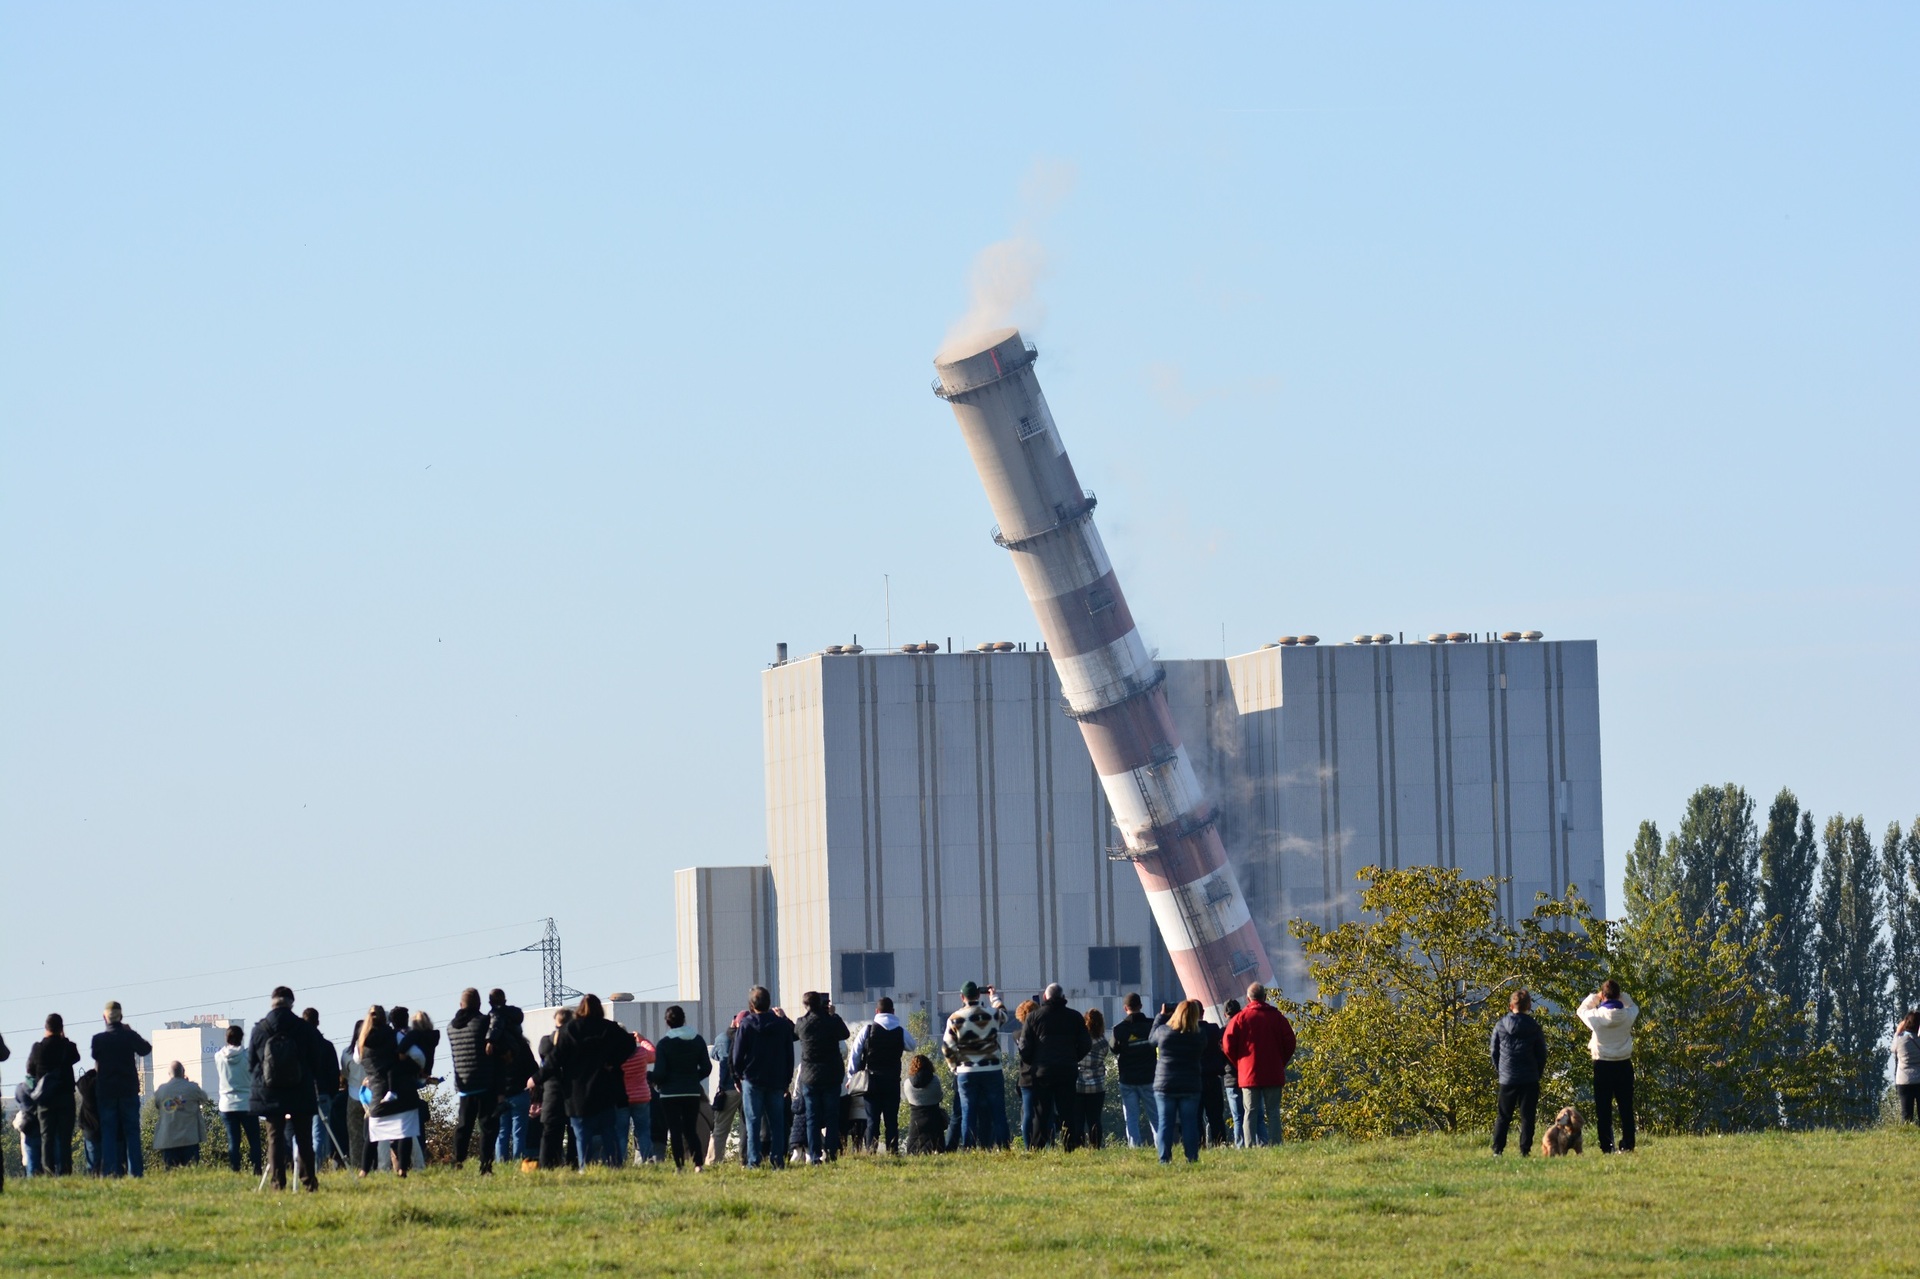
{"x":1383,"y":638}
{"x":1509,"y":637}
{"x":853,"y":648}
{"x":1309,"y":640}
{"x":1531,"y":635}
{"x":620,"y":997}
{"x":1458,"y":637}
{"x":1288,"y":641}
{"x":836,"y":649}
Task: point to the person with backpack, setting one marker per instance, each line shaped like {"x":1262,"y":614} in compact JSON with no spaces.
{"x":588,"y":1055}
{"x":1133,"y":1051}
{"x":881,"y":1046}
{"x":116,"y":1093}
{"x":680,"y":1062}
{"x":235,"y":1097}
{"x":51,"y":1064}
{"x":762,"y":1057}
{"x":474,"y":1082}
{"x":282,"y":1053}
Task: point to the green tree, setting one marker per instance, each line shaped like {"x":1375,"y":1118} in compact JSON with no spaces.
{"x":1396,"y":1039}
{"x":1650,"y":874}
{"x":1789,"y":863}
{"x":1854,"y":968}
{"x":1716,"y":860}
{"x":1900,"y":868}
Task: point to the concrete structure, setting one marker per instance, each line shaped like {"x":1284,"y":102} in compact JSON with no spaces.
{"x":1112,"y":687}
{"x":192,"y":1044}
{"x":727,"y":940}
{"x":935,"y":817}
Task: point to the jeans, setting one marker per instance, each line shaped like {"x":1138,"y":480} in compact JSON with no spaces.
{"x":823,"y":1121}
{"x":766,"y":1111}
{"x":1613,"y":1081}
{"x":30,"y":1154}
{"x":593,"y":1139}
{"x":1181,"y":1109}
{"x":482,"y":1108}
{"x":1026,"y":1116}
{"x":1137,"y":1105}
{"x":1237,"y":1106}
{"x":120,"y":1137}
{"x":1527,"y":1098}
{"x":983,"y":1110}
{"x":1263,"y":1116}
{"x":635,"y":1117}
{"x":329,"y":1122}
{"x":237,"y":1122}
{"x":512,"y":1141}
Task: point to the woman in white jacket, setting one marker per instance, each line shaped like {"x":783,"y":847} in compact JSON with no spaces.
{"x":1610,"y":1015}
{"x":236,"y":1099}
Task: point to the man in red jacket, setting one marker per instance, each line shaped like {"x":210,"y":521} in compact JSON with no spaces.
{"x":1259,"y":1043}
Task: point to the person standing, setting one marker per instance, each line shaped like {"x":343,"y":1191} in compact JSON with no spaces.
{"x":1133,"y":1051}
{"x":972,"y":1047}
{"x":636,"y":1111}
{"x":1610,"y":1013}
{"x":418,"y":1033}
{"x":763,"y":1064}
{"x":1055,"y":1040}
{"x":589,"y":1052}
{"x":389,"y":1089}
{"x":235,"y":1096}
{"x":513,"y":1066}
{"x":26,"y":1122}
{"x":1259,"y":1041}
{"x":180,"y":1119}
{"x":281,"y":1056}
{"x":554,"y":1129}
{"x":1090,"y":1083}
{"x":882,"y":1046}
{"x":1176,"y":1079}
{"x":1519,"y":1050}
{"x":329,"y":1095}
{"x":51,"y":1064}
{"x":726,"y":1094}
{"x":821,"y":1031}
{"x":1906,"y":1067}
{"x":1236,"y":1105}
{"x":474,"y":1082}
{"x":680,"y":1062}
{"x":1214,"y":1068}
{"x":116,"y":1093}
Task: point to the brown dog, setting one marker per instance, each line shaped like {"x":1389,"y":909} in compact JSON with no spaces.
{"x":1563,"y":1134}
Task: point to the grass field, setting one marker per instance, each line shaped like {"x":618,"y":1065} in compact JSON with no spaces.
{"x":1804,"y":1204}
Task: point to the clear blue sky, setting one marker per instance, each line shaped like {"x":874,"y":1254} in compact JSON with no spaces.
{"x":418,"y":423}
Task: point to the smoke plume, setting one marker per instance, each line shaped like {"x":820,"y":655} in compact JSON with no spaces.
{"x":1005,"y":276}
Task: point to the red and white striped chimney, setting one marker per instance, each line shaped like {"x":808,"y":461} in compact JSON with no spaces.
{"x":1112,"y":687}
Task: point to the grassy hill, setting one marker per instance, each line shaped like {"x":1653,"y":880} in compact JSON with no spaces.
{"x":1799,"y":1204}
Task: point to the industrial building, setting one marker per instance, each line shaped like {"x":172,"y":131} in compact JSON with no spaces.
{"x":934,"y":817}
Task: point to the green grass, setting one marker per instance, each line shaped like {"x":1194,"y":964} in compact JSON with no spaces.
{"x":1802,"y":1204}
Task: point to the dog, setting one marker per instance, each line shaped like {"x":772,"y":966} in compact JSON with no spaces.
{"x":1563,"y":1134}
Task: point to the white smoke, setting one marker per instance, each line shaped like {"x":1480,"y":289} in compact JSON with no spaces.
{"x":1005,"y":278}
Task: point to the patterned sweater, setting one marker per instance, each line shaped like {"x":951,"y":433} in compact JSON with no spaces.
{"x":972,"y":1041}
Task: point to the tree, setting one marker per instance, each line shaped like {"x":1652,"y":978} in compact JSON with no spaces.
{"x":1715,"y":857}
{"x":1650,"y":872}
{"x":1854,"y":967}
{"x":1789,"y":862}
{"x":1900,"y":868}
{"x":1396,"y":1039}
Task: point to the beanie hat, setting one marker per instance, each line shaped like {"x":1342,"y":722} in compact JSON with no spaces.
{"x":970,"y":991}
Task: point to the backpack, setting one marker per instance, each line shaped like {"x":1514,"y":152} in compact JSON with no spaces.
{"x":281,"y":1067}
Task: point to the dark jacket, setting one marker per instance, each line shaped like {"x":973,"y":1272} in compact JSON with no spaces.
{"x":115,"y":1050}
{"x":588,"y":1053}
{"x":881,"y":1051}
{"x":763,"y":1050}
{"x":388,"y":1070}
{"x":84,"y":1087}
{"x":1133,"y":1048}
{"x":1178,"y":1069}
{"x":680,"y":1062}
{"x":505,"y":1024}
{"x":53,"y":1060}
{"x":427,"y":1041}
{"x":326,"y":1065}
{"x":473,"y":1070}
{"x":514,"y":1066}
{"x":1054,"y":1040}
{"x":1213,"y":1058}
{"x":294,"y":1099}
{"x":23,"y":1098}
{"x":1519,"y":1049}
{"x":820,"y":1035}
{"x":552,"y":1086}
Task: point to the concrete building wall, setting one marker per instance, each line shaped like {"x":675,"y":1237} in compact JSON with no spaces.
{"x":727,"y":937}
{"x":193,"y":1046}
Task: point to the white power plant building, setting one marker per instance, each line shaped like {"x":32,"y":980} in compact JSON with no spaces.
{"x":935,"y":818}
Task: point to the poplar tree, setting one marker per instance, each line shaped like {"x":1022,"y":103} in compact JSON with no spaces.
{"x":1649,"y":873}
{"x":1715,"y":857}
{"x":1789,"y":862}
{"x":1854,"y":966}
{"x":1902,"y":875}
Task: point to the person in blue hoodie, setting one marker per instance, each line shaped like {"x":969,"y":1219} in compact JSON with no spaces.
{"x":1519,"y":1050}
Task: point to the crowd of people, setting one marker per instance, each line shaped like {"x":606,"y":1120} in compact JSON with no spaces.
{"x":797,"y":1090}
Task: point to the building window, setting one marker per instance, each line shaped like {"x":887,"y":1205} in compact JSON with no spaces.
{"x":1114,"y":963}
{"x":863,"y":970}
